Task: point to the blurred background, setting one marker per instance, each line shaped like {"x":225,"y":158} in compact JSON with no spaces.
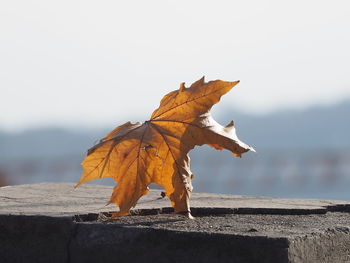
{"x":70,"y":71}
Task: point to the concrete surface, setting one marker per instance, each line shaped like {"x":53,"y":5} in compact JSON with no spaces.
{"x":53,"y":222}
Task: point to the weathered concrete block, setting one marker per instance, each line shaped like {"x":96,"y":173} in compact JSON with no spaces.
{"x":34,"y":238}
{"x":111,"y":243}
{"x":55,"y":223}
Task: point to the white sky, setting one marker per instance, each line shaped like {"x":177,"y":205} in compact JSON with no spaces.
{"x":73,"y":62}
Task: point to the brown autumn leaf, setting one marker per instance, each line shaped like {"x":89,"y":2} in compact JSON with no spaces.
{"x":156,"y":151}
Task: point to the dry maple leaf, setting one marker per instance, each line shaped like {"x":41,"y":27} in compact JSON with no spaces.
{"x":156,"y":151}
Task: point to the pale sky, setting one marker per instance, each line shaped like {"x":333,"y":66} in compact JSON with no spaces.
{"x":96,"y":63}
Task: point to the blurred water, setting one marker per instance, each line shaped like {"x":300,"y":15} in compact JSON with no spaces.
{"x":300,"y":154}
{"x":321,"y":173}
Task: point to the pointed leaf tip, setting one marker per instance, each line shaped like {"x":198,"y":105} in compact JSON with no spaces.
{"x":234,"y":83}
{"x":182,"y":87}
{"x":231,"y":124}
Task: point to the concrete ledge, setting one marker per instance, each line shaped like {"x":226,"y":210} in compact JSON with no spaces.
{"x":55,"y":223}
